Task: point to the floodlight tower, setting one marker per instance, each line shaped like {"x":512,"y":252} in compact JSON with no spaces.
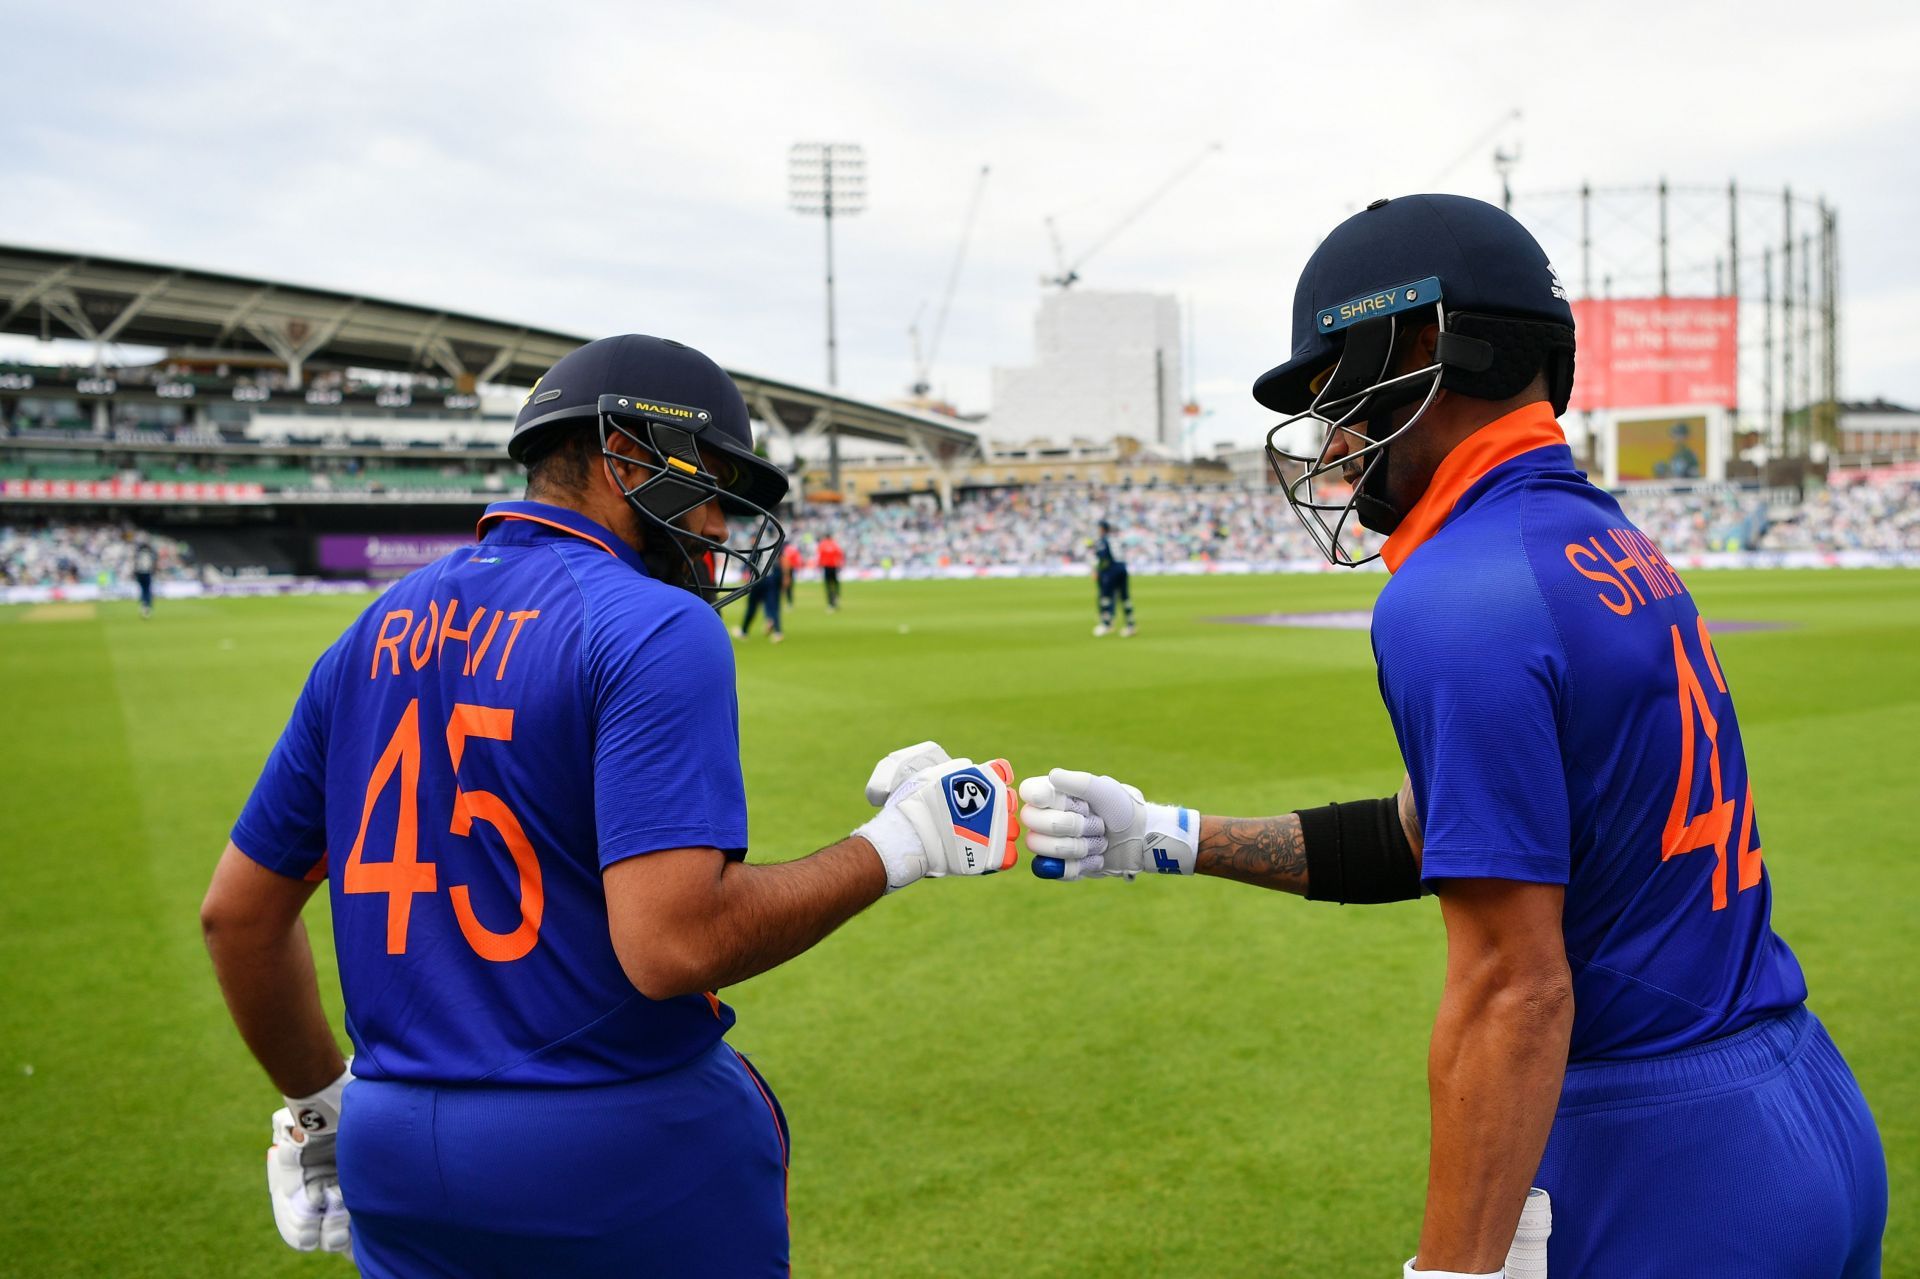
{"x":1503,"y":162}
{"x":828,"y":178}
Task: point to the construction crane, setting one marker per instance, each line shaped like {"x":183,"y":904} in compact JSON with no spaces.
{"x":923,"y":356}
{"x":1066,"y":274}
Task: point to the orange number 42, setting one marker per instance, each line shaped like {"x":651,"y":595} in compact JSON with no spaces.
{"x":1712,"y":826}
{"x":405,"y":875}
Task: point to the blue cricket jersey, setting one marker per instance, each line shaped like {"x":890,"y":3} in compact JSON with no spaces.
{"x":494,"y":731}
{"x":1566,"y":720}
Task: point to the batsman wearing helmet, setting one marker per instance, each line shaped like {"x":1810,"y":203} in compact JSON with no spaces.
{"x":1620,"y":1025}
{"x":518,"y":775}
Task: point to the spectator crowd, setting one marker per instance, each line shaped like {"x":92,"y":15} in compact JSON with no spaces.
{"x":1045,"y":528}
{"x":60,"y":554}
{"x":1858,"y":517}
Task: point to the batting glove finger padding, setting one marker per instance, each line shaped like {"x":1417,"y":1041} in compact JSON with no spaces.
{"x":1113,"y":802}
{"x":1061,"y":823}
{"x":954,"y":818}
{"x":1067,"y":846}
{"x":1091,"y":866}
{"x":900,"y":765}
{"x":1087,"y":825}
{"x":303,"y":1177}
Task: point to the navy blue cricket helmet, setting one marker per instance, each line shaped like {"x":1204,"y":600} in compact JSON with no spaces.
{"x":1374,"y":284}
{"x":696,"y":444}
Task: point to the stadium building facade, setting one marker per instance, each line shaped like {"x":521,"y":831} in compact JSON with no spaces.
{"x":266,"y":425}
{"x":273,"y":431}
{"x":1105,"y":365}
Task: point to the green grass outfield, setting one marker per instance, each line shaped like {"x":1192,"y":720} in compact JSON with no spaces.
{"x":1001,"y":1077}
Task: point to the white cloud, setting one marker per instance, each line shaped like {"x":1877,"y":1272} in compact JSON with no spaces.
{"x":612,"y":166}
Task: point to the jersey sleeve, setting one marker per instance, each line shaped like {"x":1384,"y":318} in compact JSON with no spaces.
{"x":666,"y":745}
{"x":1473,"y":684}
{"x":284,"y":824}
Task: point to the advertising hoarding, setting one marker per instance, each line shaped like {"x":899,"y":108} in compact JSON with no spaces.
{"x":1662,"y":447}
{"x":381,"y":555}
{"x":1640,"y":352}
{"x":132,"y":490}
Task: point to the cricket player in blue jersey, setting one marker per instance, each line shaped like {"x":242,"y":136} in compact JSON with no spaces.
{"x":1110,"y":580}
{"x":1620,"y":1025}
{"x":518,"y":775}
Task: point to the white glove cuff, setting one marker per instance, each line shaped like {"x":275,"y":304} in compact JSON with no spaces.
{"x":1171,"y":840}
{"x":1410,"y":1273}
{"x":899,"y":846}
{"x":319,"y":1115}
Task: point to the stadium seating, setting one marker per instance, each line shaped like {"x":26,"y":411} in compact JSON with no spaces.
{"x":1049,"y":527}
{"x":1019,"y":529}
{"x":57,"y":553}
{"x":71,"y":471}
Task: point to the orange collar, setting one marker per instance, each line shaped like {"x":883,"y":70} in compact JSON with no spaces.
{"x":563,"y":520}
{"x":491,"y":516}
{"x":1528,"y":427}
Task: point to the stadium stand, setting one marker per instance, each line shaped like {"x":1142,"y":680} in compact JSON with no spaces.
{"x":1041,"y":528}
{"x":271,"y":418}
{"x":1864,"y":516}
{"x":1050,"y":529}
{"x":1701,"y":520}
{"x":58,"y":553}
{"x":249,"y":553}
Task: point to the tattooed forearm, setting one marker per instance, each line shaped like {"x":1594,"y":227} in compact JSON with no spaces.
{"x":1265,"y":851}
{"x":1410,"y":817}
{"x":1271,"y":852}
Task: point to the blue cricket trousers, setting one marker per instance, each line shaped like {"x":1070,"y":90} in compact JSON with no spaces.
{"x":683,"y":1174}
{"x":1752,"y":1156}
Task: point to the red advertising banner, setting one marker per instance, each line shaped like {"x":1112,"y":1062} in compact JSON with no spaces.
{"x":1640,"y":353}
{"x":134,"y":490}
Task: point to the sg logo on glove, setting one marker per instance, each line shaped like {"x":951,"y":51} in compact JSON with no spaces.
{"x":940,"y":816}
{"x":970,"y":805}
{"x":969,"y":795}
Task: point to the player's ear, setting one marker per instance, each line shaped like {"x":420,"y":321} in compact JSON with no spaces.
{"x":620,"y":460}
{"x":1425,"y":349}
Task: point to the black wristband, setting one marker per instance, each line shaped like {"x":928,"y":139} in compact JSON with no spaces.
{"x":1358,"y":854}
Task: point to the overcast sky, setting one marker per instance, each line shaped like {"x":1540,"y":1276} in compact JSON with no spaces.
{"x":623,"y":167}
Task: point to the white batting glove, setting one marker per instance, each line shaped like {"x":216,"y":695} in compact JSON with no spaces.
{"x":954,"y":818}
{"x":1526,"y":1259}
{"x":1084,"y":825}
{"x":899,"y":766}
{"x":303,"y":1179}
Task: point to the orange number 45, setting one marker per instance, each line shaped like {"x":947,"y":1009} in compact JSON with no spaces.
{"x":1712,"y":826}
{"x":406,"y":875}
